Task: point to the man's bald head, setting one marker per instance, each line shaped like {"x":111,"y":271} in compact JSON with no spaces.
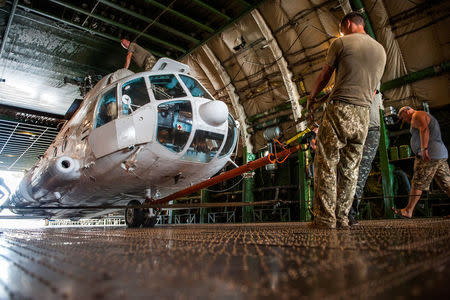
{"x":404,"y":108}
{"x":405,"y":114}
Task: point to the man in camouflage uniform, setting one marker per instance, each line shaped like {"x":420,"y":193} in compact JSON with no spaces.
{"x":369,"y":152}
{"x":359,"y":62}
{"x":140,"y":56}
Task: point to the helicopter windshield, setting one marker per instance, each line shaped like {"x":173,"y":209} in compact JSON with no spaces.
{"x":194,"y":87}
{"x":107,"y":108}
{"x":174,"y":124}
{"x":166,"y":87}
{"x":204,"y":146}
{"x":134,"y":95}
{"x":231,"y":137}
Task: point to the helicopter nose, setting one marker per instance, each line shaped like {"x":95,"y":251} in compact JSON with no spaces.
{"x":214,"y":113}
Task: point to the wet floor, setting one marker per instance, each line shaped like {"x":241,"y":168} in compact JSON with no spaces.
{"x":379,"y":259}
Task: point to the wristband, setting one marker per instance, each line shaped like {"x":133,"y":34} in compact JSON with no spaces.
{"x":423,"y":149}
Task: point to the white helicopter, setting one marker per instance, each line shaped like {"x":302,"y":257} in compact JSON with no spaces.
{"x":134,"y":136}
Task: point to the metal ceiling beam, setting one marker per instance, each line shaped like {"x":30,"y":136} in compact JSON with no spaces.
{"x":95,"y":32}
{"x":345,"y":5}
{"x":220,"y":30}
{"x":244,"y":3}
{"x":27,"y":130}
{"x":180,"y":15}
{"x":26,"y":127}
{"x":148,"y":20}
{"x":23,"y":135}
{"x":15,"y":152}
{"x":167,"y":45}
{"x":25,"y":151}
{"x":23,"y":127}
{"x":20,"y":139}
{"x":33,"y":153}
{"x":9,"y":151}
{"x":11,"y":110}
{"x":211,"y":9}
{"x":14,"y":149}
{"x":26,"y":133}
{"x":19,"y":142}
{"x":10,"y":136}
{"x":286,"y":74}
{"x":8,"y":26}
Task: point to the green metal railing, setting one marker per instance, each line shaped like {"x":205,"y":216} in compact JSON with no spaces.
{"x":357,"y":4}
{"x":247,"y":190}
{"x":416,"y":76}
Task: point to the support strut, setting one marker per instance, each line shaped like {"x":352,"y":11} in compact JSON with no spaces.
{"x":227,"y":175}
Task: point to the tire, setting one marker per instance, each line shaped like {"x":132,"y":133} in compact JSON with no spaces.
{"x":150,"y":221}
{"x":134,"y":217}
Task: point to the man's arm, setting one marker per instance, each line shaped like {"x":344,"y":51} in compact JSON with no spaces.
{"x":320,"y":83}
{"x":128,"y":60}
{"x":421,"y":120}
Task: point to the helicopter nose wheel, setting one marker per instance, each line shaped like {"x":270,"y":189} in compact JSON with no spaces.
{"x":134,"y":217}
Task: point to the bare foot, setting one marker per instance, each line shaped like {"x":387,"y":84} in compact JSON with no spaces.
{"x":402,"y":213}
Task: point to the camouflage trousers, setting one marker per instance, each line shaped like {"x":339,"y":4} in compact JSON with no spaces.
{"x":425,"y":171}
{"x":149,"y":63}
{"x":340,"y":143}
{"x":369,"y":152}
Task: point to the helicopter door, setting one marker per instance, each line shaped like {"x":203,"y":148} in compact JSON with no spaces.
{"x":109,"y":134}
{"x":134,"y":101}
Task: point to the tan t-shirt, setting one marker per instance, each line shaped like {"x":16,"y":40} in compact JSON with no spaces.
{"x":359,"y":61}
{"x":139,"y":54}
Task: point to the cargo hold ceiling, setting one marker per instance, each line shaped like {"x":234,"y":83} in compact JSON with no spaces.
{"x":48,"y":40}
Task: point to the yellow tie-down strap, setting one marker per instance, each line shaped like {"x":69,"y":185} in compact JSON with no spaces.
{"x":297,"y":136}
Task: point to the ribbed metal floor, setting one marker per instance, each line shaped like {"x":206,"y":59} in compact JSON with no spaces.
{"x":394,"y":259}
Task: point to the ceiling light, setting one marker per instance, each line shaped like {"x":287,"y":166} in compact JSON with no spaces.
{"x":26,"y":132}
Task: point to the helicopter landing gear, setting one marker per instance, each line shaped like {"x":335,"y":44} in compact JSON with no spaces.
{"x":135,"y":217}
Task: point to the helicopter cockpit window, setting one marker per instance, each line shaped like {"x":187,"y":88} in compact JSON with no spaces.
{"x":231,"y":137}
{"x":166,"y":87}
{"x":174,"y":124}
{"x":134,"y":95}
{"x":194,"y":87}
{"x":204,"y":146}
{"x":107,"y":109}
